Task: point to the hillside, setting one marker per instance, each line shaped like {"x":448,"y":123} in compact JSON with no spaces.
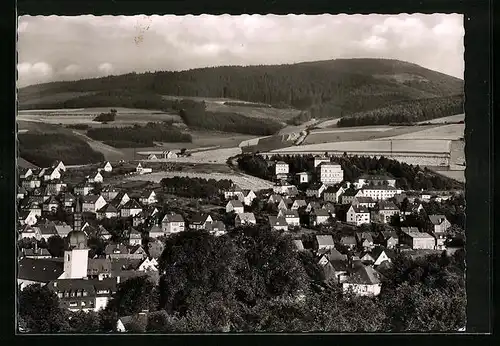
{"x":321,"y":89}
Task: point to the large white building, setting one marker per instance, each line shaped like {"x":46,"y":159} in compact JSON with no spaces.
{"x":281,"y":170}
{"x":380,"y":192}
{"x":330,"y":173}
{"x":358,"y":215}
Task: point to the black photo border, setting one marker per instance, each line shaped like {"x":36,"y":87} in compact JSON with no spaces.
{"x":478,"y":21}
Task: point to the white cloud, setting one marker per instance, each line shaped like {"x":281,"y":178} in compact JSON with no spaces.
{"x":71,"y":69}
{"x":105,"y":68}
{"x":375,"y":42}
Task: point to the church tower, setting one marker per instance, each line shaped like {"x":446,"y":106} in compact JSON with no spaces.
{"x":76,"y":257}
{"x":77,"y":216}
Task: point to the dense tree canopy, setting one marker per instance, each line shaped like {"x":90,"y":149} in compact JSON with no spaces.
{"x":43,"y":149}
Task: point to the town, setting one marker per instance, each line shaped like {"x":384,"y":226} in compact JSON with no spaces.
{"x":83,"y":233}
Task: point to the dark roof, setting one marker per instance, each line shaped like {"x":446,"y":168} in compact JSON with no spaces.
{"x":320,"y":212}
{"x":173,"y":218}
{"x":365,"y":275}
{"x":300,"y":202}
{"x":437,"y":219}
{"x":134,"y":248}
{"x":386,"y":205}
{"x":334,"y":255}
{"x":90,"y":198}
{"x":25,"y":164}
{"x":333,"y":188}
{"x":277,"y":221}
{"x":360,"y":209}
{"x":348,"y":240}
{"x":216,"y":226}
{"x":108,"y":208}
{"x":325,"y":240}
{"x":39,"y":270}
{"x":98,"y":265}
{"x":363,"y":199}
{"x":246,"y":217}
{"x":47,"y":229}
{"x":314,"y":186}
{"x":339,"y":265}
{"x":199,"y":218}
{"x":38,"y":252}
{"x":350,"y":192}
{"x":125,"y":264}
{"x":235,"y":203}
{"x":119,"y":248}
{"x":364,"y":236}
{"x":388,"y":234}
{"x":298,"y":244}
{"x":132,"y":204}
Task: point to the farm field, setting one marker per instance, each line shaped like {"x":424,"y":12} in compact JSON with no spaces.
{"x":380,"y":145}
{"x":458,"y":175}
{"x":452,"y":118}
{"x":361,"y":133}
{"x":125,"y":116}
{"x":242,"y":180}
{"x":450,"y":132}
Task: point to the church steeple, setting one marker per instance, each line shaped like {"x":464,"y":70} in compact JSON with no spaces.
{"x":77,"y":216}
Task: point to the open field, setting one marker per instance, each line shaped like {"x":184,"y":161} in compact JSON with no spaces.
{"x":450,"y":132}
{"x":215,"y":104}
{"x":124,"y":117}
{"x":242,"y":180}
{"x":452,"y":118}
{"x":200,"y":155}
{"x":381,"y":145}
{"x":458,"y":175}
{"x":28,"y":100}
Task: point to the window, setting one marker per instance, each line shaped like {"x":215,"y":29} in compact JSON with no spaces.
{"x":84,"y":293}
{"x":68,"y":257}
{"x":83,"y":303}
{"x":66,"y":294}
{"x":78,"y":293}
{"x":60,"y":295}
{"x":72,"y":304}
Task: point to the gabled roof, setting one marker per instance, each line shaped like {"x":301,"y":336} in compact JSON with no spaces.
{"x":414,"y":232}
{"x":289,"y":213}
{"x":325,"y":240}
{"x":108,"y":208}
{"x":111,"y":248}
{"x":350,"y":192}
{"x":281,"y":163}
{"x":132,"y":204}
{"x":51,"y":200}
{"x":437,"y":219}
{"x":90,"y":198}
{"x":300,"y":203}
{"x":246,"y":217}
{"x":334,"y":255}
{"x":216,"y":226}
{"x":39,"y":270}
{"x":172,"y":218}
{"x":348,"y":240}
{"x":386,"y":205}
{"x":98,"y":265}
{"x":21,"y":190}
{"x":314,"y":187}
{"x":199,"y":218}
{"x":125,"y":264}
{"x":47,"y":229}
{"x":364,"y":236}
{"x":389,"y":234}
{"x":363,"y":199}
{"x":135,"y":248}
{"x":133,"y":233}
{"x":328,"y":207}
{"x":365,"y":275}
{"x":38,"y":252}
{"x":333,"y":188}
{"x":235,"y":203}
{"x":147,"y":194}
{"x":320,"y":212}
{"x":275,"y":221}
{"x":276,"y":198}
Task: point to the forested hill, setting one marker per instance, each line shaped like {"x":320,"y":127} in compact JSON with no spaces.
{"x":331,"y":88}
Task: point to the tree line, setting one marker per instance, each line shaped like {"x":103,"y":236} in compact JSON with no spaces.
{"x":43,"y":149}
{"x":195,"y":187}
{"x":408,"y":177}
{"x":134,"y":136}
{"x":331,"y":89}
{"x":407,"y":112}
{"x":251,"y":280}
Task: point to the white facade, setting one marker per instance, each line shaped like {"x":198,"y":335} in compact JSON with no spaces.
{"x":362,"y":289}
{"x":385,"y":215}
{"x":107,"y":167}
{"x":231,"y":206}
{"x":248,"y":199}
{"x":126,"y":212}
{"x":94,"y":207}
{"x":60,"y":166}
{"x":381,"y":258}
{"x":76,"y":263}
{"x":281,"y":168}
{"x":357,"y":218}
{"x":97,"y":178}
{"x":173,"y":227}
{"x":331,"y":173}
{"x":380,"y":193}
{"x":304,"y":177}
{"x":55,"y":174}
{"x":100,"y":303}
{"x":319,"y":160}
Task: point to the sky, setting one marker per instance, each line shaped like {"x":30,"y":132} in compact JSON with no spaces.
{"x":56,"y":48}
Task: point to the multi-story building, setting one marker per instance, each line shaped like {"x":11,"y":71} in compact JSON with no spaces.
{"x":380,"y":192}
{"x":330,"y":173}
{"x":357,"y":215}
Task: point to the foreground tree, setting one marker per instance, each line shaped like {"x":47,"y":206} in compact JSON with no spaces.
{"x":134,"y":295}
{"x":40,"y":311}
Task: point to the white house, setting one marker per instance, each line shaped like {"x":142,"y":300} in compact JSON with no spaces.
{"x":83,"y":189}
{"x":148,"y":197}
{"x":278,"y":223}
{"x":333,"y":193}
{"x":298,"y":203}
{"x":380,"y":192}
{"x":59,"y":165}
{"x":315,"y":190}
{"x":51,"y":174}
{"x":303,"y":177}
{"x":92,"y":203}
{"x":245,"y":219}
{"x":200,"y":221}
{"x":319,"y":217}
{"x":148,"y":264}
{"x":28,"y":218}
{"x":363,"y":282}
{"x":25,"y":173}
{"x":234,"y":206}
{"x":107,"y":212}
{"x":248,"y":197}
{"x":412,"y":237}
{"x":320,"y":159}
{"x":107,"y":167}
{"x":379,"y":256}
{"x":131,"y":208}
{"x":142,"y":170}
{"x":173,"y":223}
{"x":357,"y":215}
{"x":152,"y":157}
{"x":169,"y":155}
{"x":331,"y":173}
{"x":291,"y":217}
{"x":95,"y":178}
{"x":281,"y":169}
{"x":234,"y":191}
